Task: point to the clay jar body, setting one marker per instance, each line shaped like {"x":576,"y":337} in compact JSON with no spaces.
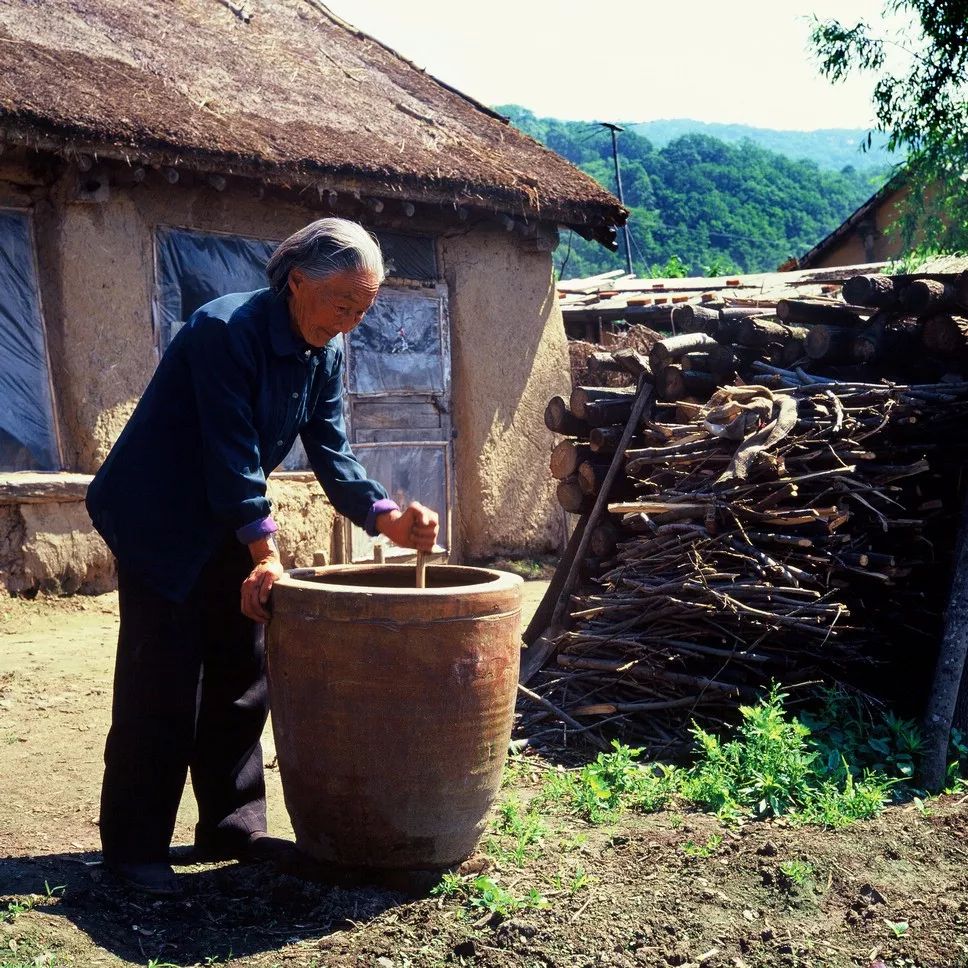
{"x":392,"y":708}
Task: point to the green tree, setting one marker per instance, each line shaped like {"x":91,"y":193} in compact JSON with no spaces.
{"x":920,"y":76}
{"x":715,"y":208}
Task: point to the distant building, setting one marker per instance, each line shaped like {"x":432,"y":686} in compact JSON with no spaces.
{"x":153,"y":153}
{"x":867,"y":235}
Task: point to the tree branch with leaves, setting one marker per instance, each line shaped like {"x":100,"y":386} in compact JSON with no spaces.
{"x":920,"y":100}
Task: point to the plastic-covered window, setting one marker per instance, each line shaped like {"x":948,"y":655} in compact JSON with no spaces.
{"x":196,"y":267}
{"x":397,"y":347}
{"x":28,"y":440}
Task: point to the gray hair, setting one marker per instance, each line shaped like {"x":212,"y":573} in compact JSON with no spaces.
{"x":324,"y":248}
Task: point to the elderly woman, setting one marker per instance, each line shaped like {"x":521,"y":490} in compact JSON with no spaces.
{"x":181,"y":501}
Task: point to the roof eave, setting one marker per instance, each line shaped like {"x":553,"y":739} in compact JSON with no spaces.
{"x":593,"y":220}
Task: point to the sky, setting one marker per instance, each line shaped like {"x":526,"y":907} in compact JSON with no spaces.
{"x":745,"y":61}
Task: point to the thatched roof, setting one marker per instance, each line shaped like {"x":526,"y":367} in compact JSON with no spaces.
{"x":276,"y":88}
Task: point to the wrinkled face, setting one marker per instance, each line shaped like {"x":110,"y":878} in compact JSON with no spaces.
{"x":324,"y":308}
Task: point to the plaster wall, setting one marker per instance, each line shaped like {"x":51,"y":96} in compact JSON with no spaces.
{"x":509,"y":356}
{"x":96,"y":263}
{"x":100,"y":317}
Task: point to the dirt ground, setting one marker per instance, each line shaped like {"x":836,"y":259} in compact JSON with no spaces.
{"x":662,"y":889}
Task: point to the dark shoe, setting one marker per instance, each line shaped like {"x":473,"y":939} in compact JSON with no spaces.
{"x":257,"y":846}
{"x":156,"y":879}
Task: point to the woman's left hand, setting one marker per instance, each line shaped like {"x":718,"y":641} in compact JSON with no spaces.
{"x":416,"y":527}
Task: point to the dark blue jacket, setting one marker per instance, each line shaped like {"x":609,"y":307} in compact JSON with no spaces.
{"x":222,"y":410}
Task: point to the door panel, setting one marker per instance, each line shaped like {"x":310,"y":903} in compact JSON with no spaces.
{"x":398,"y":377}
{"x":410,"y":472}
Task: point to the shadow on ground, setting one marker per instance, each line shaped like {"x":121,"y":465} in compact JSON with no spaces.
{"x":230,"y":910}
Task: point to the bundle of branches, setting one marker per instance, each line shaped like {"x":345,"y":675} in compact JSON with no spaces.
{"x":767,"y":534}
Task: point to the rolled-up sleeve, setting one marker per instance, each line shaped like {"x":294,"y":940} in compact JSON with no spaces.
{"x":341,"y":475}
{"x":224,"y":375}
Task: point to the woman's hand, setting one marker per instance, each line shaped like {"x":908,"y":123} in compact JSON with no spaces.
{"x":256,"y":588}
{"x":416,"y":527}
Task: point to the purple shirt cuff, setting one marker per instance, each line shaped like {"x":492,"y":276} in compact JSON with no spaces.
{"x":257,"y":529}
{"x":379,"y":507}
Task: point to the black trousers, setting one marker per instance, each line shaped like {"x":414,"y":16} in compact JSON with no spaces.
{"x":189,"y":694}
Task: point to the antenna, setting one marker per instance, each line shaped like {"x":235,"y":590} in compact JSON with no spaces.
{"x":614,"y":128}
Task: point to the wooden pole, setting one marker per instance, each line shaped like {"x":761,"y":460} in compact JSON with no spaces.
{"x":544,"y":646}
{"x":936,"y":729}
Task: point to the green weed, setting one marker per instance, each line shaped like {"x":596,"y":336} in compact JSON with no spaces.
{"x":25,"y":953}
{"x":898,"y":928}
{"x":915,"y":258}
{"x":772,"y":769}
{"x":486,"y":894}
{"x":796,"y":872}
{"x":713,"y":843}
{"x":17,"y":906}
{"x":957,"y":773}
{"x":574,"y":844}
{"x":848,"y":736}
{"x":571,"y":883}
{"x":765,"y":771}
{"x":828,"y":768}
{"x":524,"y":829}
{"x":600,"y":790}
{"x":450,"y":885}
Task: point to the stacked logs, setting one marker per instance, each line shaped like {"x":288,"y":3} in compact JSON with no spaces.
{"x":904,"y":327}
{"x":783,"y":513}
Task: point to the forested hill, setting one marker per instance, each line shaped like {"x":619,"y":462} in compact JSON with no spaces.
{"x":829,"y":147}
{"x":714,"y":207}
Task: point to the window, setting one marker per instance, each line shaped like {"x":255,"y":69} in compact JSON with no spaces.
{"x":28,"y":437}
{"x":398,"y":373}
{"x":196,"y":267}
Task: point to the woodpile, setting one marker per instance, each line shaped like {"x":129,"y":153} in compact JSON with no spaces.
{"x":784,"y":510}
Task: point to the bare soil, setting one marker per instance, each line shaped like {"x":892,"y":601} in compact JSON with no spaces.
{"x":647,"y":890}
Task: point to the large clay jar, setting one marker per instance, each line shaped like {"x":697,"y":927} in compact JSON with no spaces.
{"x":392,"y":708}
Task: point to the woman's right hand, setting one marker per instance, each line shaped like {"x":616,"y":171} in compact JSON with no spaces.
{"x":416,"y":527}
{"x":258,"y":586}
